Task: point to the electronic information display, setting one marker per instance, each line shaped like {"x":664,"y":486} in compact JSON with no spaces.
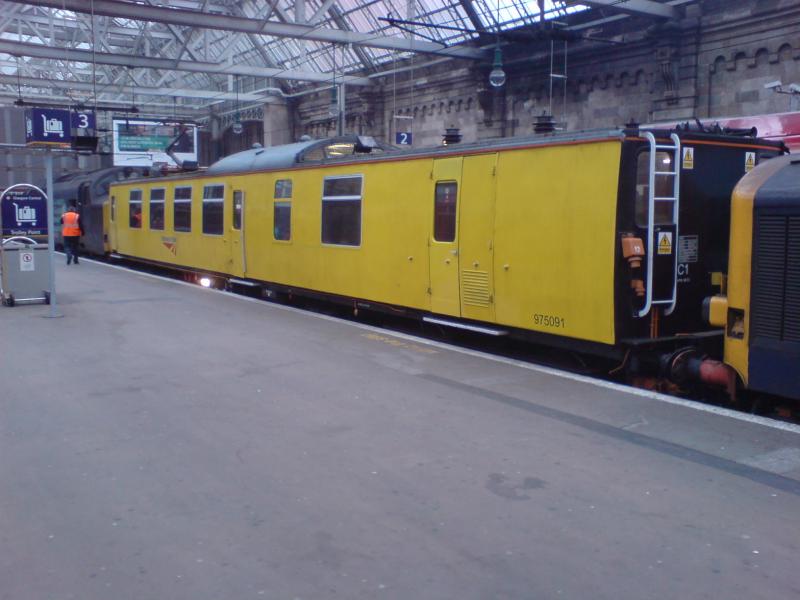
{"x":139,"y":143}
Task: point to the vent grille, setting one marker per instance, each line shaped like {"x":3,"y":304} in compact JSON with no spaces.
{"x":475,"y":288}
{"x":775,"y":310}
{"x":791,"y":314}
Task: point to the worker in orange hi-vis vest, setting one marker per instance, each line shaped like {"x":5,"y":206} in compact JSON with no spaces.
{"x":71,"y":231}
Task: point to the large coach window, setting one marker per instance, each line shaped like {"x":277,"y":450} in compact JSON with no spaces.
{"x":444,"y":211}
{"x":182,"y":209}
{"x":282,"y":210}
{"x":135,"y":209}
{"x":213,"y":209}
{"x":157,"y":197}
{"x":341,"y":211}
{"x":664,"y":189}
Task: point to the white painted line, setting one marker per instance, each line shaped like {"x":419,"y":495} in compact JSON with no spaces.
{"x":609,"y":385}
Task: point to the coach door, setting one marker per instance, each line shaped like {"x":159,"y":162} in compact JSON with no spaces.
{"x":238,"y":263}
{"x":443,"y":241}
{"x":476,"y":237}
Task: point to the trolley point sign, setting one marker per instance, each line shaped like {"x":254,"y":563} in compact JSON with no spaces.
{"x":57,"y":127}
{"x":47,"y":126}
{"x":23,"y":210}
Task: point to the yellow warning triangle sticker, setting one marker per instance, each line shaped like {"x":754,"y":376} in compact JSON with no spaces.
{"x":688,"y":158}
{"x":749,"y":161}
{"x":665,"y":243}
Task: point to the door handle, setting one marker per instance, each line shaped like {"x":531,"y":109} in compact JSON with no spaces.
{"x":454,"y":252}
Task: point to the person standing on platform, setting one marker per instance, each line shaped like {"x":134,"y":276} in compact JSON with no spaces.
{"x":71,"y":231}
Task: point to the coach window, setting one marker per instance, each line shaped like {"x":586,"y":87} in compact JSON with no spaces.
{"x":444,"y":211}
{"x":664,"y":189}
{"x":182,"y":209}
{"x":135,"y":209}
{"x":317,"y":153}
{"x":341,"y":210}
{"x":213,"y":209}
{"x":339,"y":149}
{"x":282,"y":210}
{"x":238,"y":202}
{"x":157,"y":197}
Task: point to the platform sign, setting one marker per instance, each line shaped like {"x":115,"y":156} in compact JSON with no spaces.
{"x":139,"y":143}
{"x":83,"y":122}
{"x":23,"y":211}
{"x":403,"y":138}
{"x":48,"y":127}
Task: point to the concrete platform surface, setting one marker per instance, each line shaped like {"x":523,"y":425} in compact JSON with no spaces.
{"x":165,"y":442}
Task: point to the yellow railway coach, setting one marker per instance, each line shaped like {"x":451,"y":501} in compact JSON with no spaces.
{"x":601,"y":241}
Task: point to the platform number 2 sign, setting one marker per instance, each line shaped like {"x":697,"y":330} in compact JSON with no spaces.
{"x":403,"y":138}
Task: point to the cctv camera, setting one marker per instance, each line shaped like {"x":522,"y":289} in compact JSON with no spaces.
{"x":794,"y":88}
{"x":774,"y":85}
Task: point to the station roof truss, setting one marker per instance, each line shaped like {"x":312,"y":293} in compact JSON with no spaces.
{"x":188,"y":56}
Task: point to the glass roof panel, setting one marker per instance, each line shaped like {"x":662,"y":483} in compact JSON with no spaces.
{"x":447,"y":22}
{"x":515,"y":13}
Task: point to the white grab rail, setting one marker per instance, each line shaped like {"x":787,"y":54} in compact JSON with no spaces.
{"x":675,"y":148}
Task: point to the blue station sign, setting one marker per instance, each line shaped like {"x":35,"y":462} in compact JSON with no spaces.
{"x":48,"y":126}
{"x":23,"y":211}
{"x":402,"y":138}
{"x":82,"y":122}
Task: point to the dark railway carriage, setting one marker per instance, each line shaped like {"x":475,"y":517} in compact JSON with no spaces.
{"x":605,"y":242}
{"x":90,"y":190}
{"x":708,"y":168}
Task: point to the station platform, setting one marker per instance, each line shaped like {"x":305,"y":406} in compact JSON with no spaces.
{"x":164,"y":441}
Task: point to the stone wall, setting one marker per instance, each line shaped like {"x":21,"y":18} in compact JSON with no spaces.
{"x":743,"y":52}
{"x":713,"y":62}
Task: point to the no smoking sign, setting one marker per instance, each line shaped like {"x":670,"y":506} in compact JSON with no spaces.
{"x":26,"y":261}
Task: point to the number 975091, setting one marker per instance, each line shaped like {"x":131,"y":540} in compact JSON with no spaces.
{"x":549,"y":321}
